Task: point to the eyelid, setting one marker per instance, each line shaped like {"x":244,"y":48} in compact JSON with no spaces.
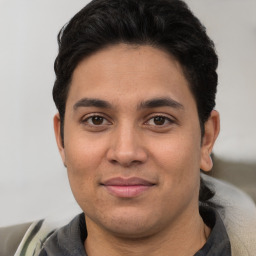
{"x":96,"y":114}
{"x":171,"y":120}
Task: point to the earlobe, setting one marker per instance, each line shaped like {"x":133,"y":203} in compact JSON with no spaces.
{"x":212,"y":128}
{"x":57,"y":124}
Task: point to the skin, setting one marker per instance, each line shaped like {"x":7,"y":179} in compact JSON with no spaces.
{"x":132,"y":137}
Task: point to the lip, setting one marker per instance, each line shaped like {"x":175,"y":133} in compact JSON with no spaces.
{"x":127,"y":188}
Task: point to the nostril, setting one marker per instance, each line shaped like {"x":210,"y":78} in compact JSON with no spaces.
{"x":114,"y":161}
{"x":125,"y":163}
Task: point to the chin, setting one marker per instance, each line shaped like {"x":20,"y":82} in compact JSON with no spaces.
{"x":130,"y":224}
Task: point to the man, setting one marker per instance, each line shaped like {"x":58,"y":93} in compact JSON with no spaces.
{"x":135,"y":91}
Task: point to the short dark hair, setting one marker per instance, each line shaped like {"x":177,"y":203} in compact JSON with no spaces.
{"x":165,"y":24}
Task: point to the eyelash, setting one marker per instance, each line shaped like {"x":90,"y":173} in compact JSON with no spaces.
{"x":166,"y":119}
{"x":85,"y":121}
{"x":87,"y":118}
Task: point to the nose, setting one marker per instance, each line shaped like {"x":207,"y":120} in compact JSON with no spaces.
{"x":126,"y":148}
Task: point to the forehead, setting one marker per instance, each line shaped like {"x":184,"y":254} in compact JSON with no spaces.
{"x":130,"y":73}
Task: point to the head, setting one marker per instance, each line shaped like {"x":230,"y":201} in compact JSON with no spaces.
{"x":165,"y":24}
{"x":114,"y":59}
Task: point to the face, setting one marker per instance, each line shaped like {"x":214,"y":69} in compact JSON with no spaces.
{"x":133,"y":146}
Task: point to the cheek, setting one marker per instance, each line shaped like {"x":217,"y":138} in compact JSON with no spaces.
{"x":81,"y":170}
{"x":83,"y":153}
{"x":179,"y":158}
{"x":83,"y":158}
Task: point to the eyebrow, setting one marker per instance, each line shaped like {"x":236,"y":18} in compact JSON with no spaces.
{"x":161,"y":102}
{"x":151,"y":103}
{"x":86,"y":102}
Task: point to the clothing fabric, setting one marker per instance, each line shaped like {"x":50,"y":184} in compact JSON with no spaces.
{"x":10,"y":238}
{"x":69,"y":240}
{"x":218,"y":243}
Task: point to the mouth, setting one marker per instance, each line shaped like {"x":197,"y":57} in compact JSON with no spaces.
{"x":127,"y":188}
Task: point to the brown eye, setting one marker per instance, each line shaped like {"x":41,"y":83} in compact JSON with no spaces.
{"x":159,"y":120}
{"x":97,"y":120}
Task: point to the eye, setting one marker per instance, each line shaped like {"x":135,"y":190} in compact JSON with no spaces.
{"x":159,"y":121}
{"x":96,"y":120}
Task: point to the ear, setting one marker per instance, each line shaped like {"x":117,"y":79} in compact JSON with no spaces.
{"x":212,"y":128}
{"x":56,"y":123}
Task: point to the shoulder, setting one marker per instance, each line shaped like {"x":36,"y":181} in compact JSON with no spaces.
{"x":35,"y":235}
{"x":67,"y":240}
{"x":10,"y":238}
{"x":238,"y":212}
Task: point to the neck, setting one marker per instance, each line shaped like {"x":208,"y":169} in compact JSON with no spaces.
{"x":185,"y":237}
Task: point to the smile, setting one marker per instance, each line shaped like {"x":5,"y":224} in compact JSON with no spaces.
{"x":127,"y":188}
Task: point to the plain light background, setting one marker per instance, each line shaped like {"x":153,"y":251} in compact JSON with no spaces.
{"x":33,"y":182}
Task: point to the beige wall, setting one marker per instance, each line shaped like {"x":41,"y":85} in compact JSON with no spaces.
{"x":232,"y":26}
